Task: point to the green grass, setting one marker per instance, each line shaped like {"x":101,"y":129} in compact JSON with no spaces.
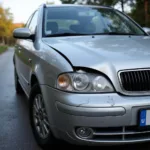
{"x":3,"y":49}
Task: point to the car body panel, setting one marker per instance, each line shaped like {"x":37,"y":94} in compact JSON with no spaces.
{"x":69,"y":120}
{"x":47,"y":58}
{"x":106,"y":54}
{"x":104,"y":49}
{"x":46,"y":65}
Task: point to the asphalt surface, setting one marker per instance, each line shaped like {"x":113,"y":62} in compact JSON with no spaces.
{"x":15,"y":130}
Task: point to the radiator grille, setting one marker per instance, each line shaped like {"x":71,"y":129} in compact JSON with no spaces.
{"x":136,"y":81}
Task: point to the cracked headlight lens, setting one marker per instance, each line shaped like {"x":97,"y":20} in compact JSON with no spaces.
{"x":84,"y":82}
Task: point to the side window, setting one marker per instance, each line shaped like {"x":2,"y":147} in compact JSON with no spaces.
{"x":33,"y":23}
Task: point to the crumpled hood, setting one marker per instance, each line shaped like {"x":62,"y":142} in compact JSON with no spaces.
{"x":104,"y":52}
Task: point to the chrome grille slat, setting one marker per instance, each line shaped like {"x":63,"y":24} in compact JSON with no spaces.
{"x":132,"y":79}
{"x":146,"y":83}
{"x":121,"y":133}
{"x":148,"y":77}
{"x":139,"y":81}
{"x":123,"y":136}
{"x":129,"y":80}
{"x":142,"y":81}
{"x":135,"y":80}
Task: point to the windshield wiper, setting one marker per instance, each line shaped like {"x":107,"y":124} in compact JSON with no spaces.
{"x":83,"y":34}
{"x":114,"y":33}
{"x":66,"y":34}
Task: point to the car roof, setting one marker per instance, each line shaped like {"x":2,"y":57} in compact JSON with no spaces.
{"x":77,"y":5}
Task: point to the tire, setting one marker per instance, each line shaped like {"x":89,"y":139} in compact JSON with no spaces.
{"x":39,"y":116}
{"x":18,"y":87}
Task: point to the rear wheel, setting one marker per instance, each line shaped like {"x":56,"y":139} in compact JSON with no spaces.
{"x":39,"y":119}
{"x":18,"y":87}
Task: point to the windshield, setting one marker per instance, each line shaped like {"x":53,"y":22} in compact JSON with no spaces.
{"x":85,"y":20}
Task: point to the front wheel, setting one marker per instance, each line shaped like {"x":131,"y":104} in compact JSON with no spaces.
{"x":39,"y":119}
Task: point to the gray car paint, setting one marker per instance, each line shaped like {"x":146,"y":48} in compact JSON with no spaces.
{"x":106,"y":54}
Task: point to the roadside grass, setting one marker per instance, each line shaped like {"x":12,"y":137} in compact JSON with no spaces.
{"x":3,"y":48}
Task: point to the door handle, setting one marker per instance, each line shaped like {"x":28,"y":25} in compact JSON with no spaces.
{"x":30,"y":60}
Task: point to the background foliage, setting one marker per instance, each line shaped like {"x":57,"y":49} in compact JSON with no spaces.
{"x":7,"y":26}
{"x":139,"y":9}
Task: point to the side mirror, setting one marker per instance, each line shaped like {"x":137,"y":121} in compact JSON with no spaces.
{"x":22,"y":33}
{"x":147,"y":30}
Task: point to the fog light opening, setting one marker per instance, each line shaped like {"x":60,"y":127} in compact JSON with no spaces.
{"x":84,"y":132}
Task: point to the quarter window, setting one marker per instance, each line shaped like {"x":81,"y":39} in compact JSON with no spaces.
{"x":33,"y":23}
{"x":28,"y":22}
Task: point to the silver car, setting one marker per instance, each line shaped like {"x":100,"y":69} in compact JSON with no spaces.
{"x":86,"y":73}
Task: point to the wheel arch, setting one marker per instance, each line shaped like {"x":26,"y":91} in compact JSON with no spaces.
{"x":34,"y":80}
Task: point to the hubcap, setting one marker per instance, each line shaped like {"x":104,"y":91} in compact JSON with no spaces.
{"x":40,"y":117}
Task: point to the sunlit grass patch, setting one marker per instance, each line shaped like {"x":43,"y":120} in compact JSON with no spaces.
{"x":3,"y":49}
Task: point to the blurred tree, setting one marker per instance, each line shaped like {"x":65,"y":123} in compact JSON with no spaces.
{"x":91,"y":2}
{"x":50,"y":2}
{"x":69,"y":1}
{"x":111,"y":3}
{"x":141,"y":12}
{"x":147,"y":12}
{"x":6,"y":25}
{"x":126,"y":2}
{"x":2,"y":24}
{"x":140,"y":9}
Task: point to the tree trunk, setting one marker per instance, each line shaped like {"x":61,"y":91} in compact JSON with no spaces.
{"x":122,"y":5}
{"x":146,"y":11}
{"x":3,"y":40}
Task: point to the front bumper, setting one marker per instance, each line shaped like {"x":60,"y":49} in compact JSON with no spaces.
{"x":112,"y":117}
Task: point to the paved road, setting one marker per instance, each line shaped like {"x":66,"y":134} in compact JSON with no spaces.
{"x":15,"y":131}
